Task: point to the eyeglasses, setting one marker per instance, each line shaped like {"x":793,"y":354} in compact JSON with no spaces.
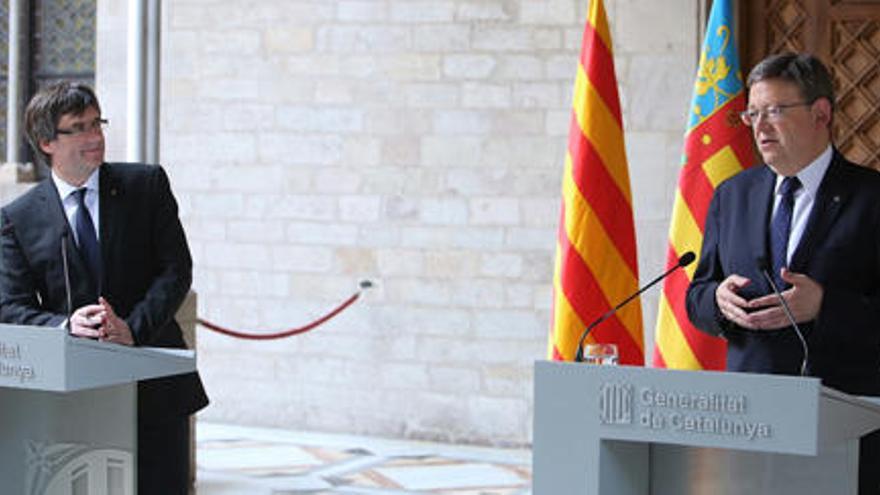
{"x":772,"y":113}
{"x":85,"y":128}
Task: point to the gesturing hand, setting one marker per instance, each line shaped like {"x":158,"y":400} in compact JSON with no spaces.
{"x":732,"y":306}
{"x":114,"y":329}
{"x":85,"y":321}
{"x":804,"y":298}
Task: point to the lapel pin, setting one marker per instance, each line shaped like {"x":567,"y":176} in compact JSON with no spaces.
{"x":837,"y":199}
{"x":113,"y":192}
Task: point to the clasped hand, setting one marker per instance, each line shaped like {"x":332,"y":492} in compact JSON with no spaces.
{"x":804,"y":298}
{"x":99,"y":321}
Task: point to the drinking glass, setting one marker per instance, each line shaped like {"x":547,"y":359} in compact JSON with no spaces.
{"x":604,"y":354}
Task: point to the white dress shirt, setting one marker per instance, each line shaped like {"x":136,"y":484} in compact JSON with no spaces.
{"x":70,"y":204}
{"x":804,"y":198}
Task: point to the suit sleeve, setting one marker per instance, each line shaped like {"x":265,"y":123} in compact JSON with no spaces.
{"x":19,"y":303}
{"x":854,"y":315}
{"x":702,"y":309}
{"x":173,"y":277}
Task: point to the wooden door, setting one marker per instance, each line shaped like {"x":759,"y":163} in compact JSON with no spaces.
{"x":845,"y":34}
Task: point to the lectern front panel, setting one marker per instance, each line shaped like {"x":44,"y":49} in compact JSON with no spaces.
{"x":624,"y":430}
{"x":78,"y":442}
{"x":697,"y":471}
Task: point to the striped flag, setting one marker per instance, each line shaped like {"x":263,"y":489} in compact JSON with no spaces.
{"x":717,"y":146}
{"x":596,"y":246}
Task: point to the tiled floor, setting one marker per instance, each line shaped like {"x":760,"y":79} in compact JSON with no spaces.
{"x":234,"y":460}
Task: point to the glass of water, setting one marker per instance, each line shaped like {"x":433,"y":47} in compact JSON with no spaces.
{"x":605,"y":354}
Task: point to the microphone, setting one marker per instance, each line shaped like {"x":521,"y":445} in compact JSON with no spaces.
{"x":685,"y":260}
{"x":765,"y":270}
{"x":64,"y":236}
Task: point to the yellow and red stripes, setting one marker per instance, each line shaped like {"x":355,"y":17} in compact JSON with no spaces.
{"x":596,"y":265}
{"x":716,"y":149}
{"x":717,"y":146}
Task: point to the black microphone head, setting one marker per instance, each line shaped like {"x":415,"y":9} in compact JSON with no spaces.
{"x":366,"y":284}
{"x":687,"y":258}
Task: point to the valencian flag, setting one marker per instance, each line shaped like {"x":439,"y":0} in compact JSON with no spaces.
{"x":717,"y":146}
{"x":596,"y":246}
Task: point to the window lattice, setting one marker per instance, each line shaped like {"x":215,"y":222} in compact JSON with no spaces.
{"x":856,"y":56}
{"x":846,"y":36}
{"x":63,"y":41}
{"x":786,"y":26}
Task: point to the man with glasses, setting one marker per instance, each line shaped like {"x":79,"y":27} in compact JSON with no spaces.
{"x":115,"y":226}
{"x":812,"y":219}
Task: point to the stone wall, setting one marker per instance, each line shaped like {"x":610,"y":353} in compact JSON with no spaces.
{"x":419,"y":144}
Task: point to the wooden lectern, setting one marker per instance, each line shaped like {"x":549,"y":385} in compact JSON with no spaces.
{"x":68,"y":410}
{"x":624,"y":430}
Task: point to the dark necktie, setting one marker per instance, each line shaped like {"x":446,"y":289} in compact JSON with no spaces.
{"x":780,"y":228}
{"x":88,"y":240}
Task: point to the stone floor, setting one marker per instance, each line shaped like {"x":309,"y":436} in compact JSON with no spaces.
{"x":235,"y":460}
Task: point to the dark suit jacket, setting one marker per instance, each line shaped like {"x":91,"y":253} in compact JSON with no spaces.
{"x":840,"y":249}
{"x":147,"y":270}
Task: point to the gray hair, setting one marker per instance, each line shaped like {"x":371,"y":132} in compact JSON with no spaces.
{"x":803,"y":69}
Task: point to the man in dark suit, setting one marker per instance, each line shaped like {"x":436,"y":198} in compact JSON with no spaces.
{"x":129,"y":265}
{"x":816,"y":218}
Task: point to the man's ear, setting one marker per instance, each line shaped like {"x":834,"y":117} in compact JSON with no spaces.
{"x":47,"y":147}
{"x":822,"y":112}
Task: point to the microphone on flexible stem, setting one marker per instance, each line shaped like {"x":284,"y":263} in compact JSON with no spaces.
{"x":685,"y":260}
{"x":765,"y":270}
{"x":64,"y":237}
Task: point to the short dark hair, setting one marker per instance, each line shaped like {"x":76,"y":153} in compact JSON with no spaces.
{"x":46,"y":108}
{"x":803,"y":69}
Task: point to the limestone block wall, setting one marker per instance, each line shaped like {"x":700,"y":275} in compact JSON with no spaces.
{"x":417,"y":143}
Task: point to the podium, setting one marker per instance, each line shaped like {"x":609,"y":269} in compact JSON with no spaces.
{"x":622,"y":430}
{"x":68,"y":410}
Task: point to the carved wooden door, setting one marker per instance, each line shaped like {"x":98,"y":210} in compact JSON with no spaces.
{"x":845,"y":34}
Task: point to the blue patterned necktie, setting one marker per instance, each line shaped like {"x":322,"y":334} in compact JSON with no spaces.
{"x":780,"y":228}
{"x":88,"y":240}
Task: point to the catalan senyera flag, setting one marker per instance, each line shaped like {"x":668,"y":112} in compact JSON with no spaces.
{"x":717,"y":145}
{"x":596,"y":248}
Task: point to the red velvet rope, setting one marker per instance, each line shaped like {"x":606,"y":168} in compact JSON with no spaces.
{"x":291,"y":332}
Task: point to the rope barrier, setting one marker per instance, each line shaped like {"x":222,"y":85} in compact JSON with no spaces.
{"x":364,"y":284}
